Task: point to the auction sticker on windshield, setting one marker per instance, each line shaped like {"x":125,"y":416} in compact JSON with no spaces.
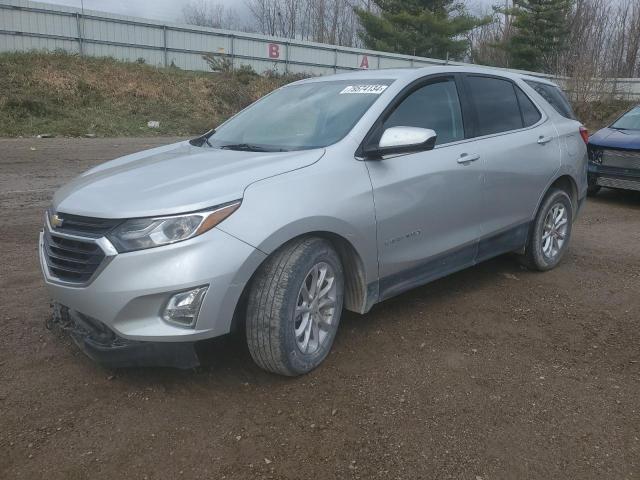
{"x":371,"y":89}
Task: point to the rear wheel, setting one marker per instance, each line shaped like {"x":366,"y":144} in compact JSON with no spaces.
{"x":551,"y":231}
{"x":294,"y":307}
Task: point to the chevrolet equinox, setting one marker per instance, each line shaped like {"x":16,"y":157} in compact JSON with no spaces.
{"x":330,"y":193}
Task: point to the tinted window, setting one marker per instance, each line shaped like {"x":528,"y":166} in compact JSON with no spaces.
{"x":530,"y":114}
{"x":555,"y":97}
{"x":629,"y":121}
{"x":496,"y":105}
{"x":435,"y":106}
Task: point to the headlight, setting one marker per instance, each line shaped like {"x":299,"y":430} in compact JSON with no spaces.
{"x":141,"y":233}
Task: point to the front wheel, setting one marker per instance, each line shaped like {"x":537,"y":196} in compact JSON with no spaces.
{"x":551,"y":231}
{"x":294,"y":307}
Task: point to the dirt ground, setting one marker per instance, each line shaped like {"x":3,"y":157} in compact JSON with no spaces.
{"x":492,"y":373}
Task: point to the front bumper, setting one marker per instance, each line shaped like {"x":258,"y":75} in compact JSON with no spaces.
{"x":103,"y":346}
{"x":613,"y":177}
{"x":130,"y":292}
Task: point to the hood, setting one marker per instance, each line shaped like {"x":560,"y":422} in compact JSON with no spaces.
{"x":612,"y":138}
{"x":172,"y":179}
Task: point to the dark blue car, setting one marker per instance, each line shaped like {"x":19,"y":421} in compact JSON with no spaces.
{"x":614,"y":154}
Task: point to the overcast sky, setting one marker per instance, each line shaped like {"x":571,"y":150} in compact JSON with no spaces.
{"x":171,"y":10}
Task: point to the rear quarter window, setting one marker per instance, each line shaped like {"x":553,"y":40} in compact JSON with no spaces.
{"x":555,"y":97}
{"x":530,"y":114}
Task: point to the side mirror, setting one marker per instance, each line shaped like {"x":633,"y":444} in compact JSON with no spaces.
{"x":396,"y":140}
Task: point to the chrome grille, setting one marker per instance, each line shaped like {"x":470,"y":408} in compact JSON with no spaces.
{"x":71,"y":260}
{"x":621,"y":159}
{"x":85,"y":226}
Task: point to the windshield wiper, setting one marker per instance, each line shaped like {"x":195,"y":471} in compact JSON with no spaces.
{"x":247,"y":147}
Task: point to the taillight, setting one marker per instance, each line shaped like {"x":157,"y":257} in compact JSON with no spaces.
{"x":584,"y":133}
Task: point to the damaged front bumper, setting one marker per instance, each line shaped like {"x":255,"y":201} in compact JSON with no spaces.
{"x":104,"y":346}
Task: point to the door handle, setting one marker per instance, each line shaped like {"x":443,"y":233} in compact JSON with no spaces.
{"x":544,"y":140}
{"x":466,"y":158}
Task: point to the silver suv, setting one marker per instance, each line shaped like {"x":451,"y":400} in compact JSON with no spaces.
{"x":328,"y":194}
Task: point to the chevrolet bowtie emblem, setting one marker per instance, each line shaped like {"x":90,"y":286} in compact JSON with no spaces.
{"x":56,"y":221}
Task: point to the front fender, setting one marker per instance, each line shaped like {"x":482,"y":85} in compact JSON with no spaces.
{"x":332,"y":196}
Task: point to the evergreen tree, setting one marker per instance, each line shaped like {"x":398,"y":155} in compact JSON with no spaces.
{"x":541,"y":30}
{"x":427,"y":28}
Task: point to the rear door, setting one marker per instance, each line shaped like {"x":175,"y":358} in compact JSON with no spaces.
{"x":427,"y":204}
{"x":521,"y":153}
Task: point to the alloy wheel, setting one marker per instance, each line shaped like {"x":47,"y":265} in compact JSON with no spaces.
{"x":315,"y":308}
{"x":554,"y":233}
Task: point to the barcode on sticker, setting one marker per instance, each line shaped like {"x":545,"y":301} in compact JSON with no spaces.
{"x":371,"y":89}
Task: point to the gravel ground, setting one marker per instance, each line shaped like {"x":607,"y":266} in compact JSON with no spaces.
{"x":492,"y":373}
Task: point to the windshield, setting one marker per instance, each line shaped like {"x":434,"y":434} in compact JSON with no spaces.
{"x":629,"y":121}
{"x":298,"y":117}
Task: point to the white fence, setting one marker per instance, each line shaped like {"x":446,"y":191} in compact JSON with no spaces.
{"x":26,"y":25}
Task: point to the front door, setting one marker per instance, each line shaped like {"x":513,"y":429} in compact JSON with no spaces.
{"x":427,"y":204}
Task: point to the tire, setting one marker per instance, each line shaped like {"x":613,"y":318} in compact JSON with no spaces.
{"x":281,"y":299}
{"x":540,"y":254}
{"x":592,"y":190}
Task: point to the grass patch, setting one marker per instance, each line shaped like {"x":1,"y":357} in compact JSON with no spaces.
{"x":63,"y":94}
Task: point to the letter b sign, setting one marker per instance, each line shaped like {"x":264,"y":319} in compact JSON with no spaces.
{"x":274,"y":50}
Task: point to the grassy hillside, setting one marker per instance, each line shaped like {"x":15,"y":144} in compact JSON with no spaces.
{"x":64,"y":94}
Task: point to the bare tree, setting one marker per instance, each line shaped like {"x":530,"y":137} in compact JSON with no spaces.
{"x":211,"y":14}
{"x":628,"y":38}
{"x":487,"y":40}
{"x":268,"y":16}
{"x":604,"y":42}
{"x":324,"y":21}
